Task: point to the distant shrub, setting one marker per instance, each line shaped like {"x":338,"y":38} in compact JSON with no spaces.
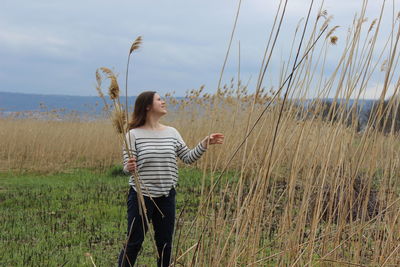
{"x":385,"y":116}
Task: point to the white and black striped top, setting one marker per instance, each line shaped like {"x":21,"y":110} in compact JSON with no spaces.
{"x":156,"y":152}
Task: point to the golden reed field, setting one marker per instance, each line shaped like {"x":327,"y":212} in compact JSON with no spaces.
{"x":326,"y":190}
{"x":307,"y":187}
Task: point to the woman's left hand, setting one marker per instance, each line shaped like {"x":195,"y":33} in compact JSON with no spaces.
{"x":212,"y":139}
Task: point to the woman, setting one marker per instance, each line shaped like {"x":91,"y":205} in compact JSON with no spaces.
{"x":155,"y":147}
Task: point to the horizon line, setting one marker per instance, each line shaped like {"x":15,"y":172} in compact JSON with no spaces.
{"x":42,"y":94}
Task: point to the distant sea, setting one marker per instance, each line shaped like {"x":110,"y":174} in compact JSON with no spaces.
{"x":64,"y":104}
{"x":18,"y":102}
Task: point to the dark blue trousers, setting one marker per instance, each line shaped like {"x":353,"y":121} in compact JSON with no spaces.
{"x":163,"y":227}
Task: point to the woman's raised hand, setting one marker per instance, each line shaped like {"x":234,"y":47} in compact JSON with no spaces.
{"x":131,"y":165}
{"x":212,"y":139}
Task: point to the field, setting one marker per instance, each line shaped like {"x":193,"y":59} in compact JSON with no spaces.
{"x":59,"y":219}
{"x":327,"y":195}
{"x":298,"y":181}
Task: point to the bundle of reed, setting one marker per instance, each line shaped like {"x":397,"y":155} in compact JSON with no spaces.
{"x":120,"y":117}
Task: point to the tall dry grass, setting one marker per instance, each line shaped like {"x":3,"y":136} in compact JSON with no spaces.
{"x":301,"y":190}
{"x":56,"y":146}
{"x":331,"y":194}
{"x":310,"y":191}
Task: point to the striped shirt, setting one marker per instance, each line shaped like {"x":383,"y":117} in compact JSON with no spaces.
{"x":156,"y":153}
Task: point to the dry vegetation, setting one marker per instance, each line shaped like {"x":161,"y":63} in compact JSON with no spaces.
{"x":301,"y":190}
{"x":330,"y":193}
{"x":56,"y":146}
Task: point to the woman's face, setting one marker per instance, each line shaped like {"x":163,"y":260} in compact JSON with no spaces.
{"x":158,"y":106}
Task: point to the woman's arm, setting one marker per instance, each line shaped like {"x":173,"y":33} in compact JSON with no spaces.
{"x":189,"y":156}
{"x":129,"y":163}
{"x":212,"y":139}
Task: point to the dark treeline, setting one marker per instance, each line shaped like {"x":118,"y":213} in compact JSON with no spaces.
{"x":381,"y":115}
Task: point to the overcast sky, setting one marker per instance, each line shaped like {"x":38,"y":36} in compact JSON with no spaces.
{"x":55,"y":47}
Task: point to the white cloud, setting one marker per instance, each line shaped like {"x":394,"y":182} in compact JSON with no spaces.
{"x":31,"y":42}
{"x":184,"y":41}
{"x":374,"y":91}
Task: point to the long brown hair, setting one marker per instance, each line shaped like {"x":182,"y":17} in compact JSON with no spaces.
{"x":143,"y":101}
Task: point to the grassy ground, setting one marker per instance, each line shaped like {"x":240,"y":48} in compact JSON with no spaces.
{"x":54,"y":220}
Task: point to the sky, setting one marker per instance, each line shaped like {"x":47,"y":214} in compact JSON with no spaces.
{"x":55,"y":47}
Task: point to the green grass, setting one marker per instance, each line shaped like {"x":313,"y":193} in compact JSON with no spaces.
{"x":53,"y":220}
